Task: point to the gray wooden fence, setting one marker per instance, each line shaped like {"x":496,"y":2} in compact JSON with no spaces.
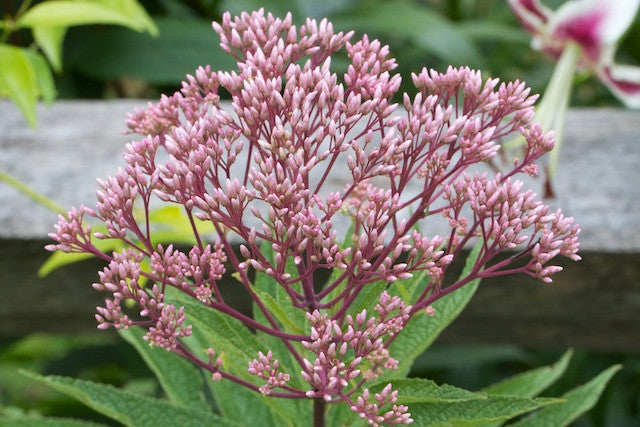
{"x":592,"y":304}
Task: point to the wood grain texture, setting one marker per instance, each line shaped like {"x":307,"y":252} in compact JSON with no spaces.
{"x":593,"y":304}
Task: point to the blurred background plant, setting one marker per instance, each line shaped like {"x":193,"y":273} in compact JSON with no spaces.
{"x":109,"y":61}
{"x":118,"y":58}
{"x":31,"y":32}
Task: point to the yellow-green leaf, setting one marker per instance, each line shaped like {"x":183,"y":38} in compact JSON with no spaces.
{"x":18,"y":80}
{"x":49,"y":39}
{"x":65,"y":13}
{"x":44,"y":78}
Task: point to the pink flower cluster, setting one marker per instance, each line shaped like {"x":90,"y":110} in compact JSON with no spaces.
{"x":365,"y":337}
{"x":262,"y":173}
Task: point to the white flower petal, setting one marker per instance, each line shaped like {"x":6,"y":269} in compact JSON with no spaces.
{"x":594,"y":24}
{"x":619,"y":16}
{"x":532,"y":14}
{"x":624,"y":82}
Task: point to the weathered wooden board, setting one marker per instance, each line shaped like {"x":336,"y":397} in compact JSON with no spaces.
{"x":593,"y":304}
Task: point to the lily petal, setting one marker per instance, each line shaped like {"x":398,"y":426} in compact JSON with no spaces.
{"x":595,"y":25}
{"x":532,"y":14}
{"x":624,"y":82}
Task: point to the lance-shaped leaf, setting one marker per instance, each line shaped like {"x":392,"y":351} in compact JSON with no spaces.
{"x":18,"y":80}
{"x":231,"y":339}
{"x":433,"y":405}
{"x":180,"y":379}
{"x":422,"y":330}
{"x":50,"y":39}
{"x":533,"y":382}
{"x":37,"y":421}
{"x":232,"y":400}
{"x":128,"y":408}
{"x":578,"y":401}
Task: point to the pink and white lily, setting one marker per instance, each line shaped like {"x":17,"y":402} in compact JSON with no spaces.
{"x":590,"y":27}
{"x":580,"y":34}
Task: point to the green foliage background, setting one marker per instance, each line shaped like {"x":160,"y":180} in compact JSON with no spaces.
{"x":110,"y":61}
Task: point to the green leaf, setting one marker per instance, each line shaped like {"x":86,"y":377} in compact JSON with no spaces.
{"x":495,"y":31}
{"x":128,"y":408}
{"x":44,"y":79}
{"x":179,"y":378}
{"x":409,"y":289}
{"x":433,"y":405}
{"x":268,"y":285}
{"x":278,"y":312}
{"x":231,"y":339}
{"x":291,"y":320}
{"x":173,"y":219}
{"x":367,"y":298}
{"x":28,"y":420}
{"x":59,"y":259}
{"x":578,"y":401}
{"x":50,"y":39}
{"x":65,"y":13}
{"x":233,"y":401}
{"x":422,"y":330}
{"x":412,"y":390}
{"x":533,"y":382}
{"x":180,"y":49}
{"x":336,"y":273}
{"x":424,"y":27}
{"x":225,"y":334}
{"x":18,"y":80}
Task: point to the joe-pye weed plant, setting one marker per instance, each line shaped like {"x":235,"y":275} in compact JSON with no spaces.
{"x":339,"y":315}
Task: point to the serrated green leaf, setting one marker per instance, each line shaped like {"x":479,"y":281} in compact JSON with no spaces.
{"x":279,"y":313}
{"x":367,"y":298}
{"x":18,"y":80}
{"x":231,"y":339}
{"x":475,"y":412}
{"x":50,"y":39}
{"x":128,"y":408}
{"x":433,"y":405}
{"x":64,"y":13}
{"x":44,"y":79}
{"x":578,"y":401}
{"x":179,"y":378}
{"x":533,"y":382}
{"x":268,"y":290}
{"x":292,"y":320}
{"x":422,"y":390}
{"x":422,"y":330}
{"x":222,"y":332}
{"x":299,"y":410}
{"x":232,"y":400}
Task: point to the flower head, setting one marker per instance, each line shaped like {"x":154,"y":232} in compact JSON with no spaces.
{"x":595,"y":26}
{"x":261,"y":173}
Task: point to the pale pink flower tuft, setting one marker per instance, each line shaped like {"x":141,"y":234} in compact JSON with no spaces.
{"x":261,"y":175}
